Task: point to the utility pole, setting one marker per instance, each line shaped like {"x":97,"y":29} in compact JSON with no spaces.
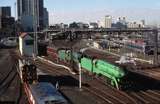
{"x":155,"y":33}
{"x":71,"y":39}
{"x":15,"y":23}
{"x":80,"y":76}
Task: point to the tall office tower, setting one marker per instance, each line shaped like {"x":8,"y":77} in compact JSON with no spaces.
{"x":45,"y":17}
{"x":5,"y":11}
{"x":24,"y":8}
{"x":40,"y":10}
{"x":108,"y":21}
{"x":6,"y":21}
{"x":26,"y":13}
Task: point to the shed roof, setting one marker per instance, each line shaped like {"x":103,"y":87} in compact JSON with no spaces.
{"x":44,"y":90}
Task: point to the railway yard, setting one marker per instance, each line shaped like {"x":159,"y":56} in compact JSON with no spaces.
{"x":79,"y":52}
{"x":81,"y":74}
{"x":98,"y":88}
{"x":94,"y":89}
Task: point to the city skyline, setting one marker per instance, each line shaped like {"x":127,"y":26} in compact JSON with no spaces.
{"x":93,"y":10}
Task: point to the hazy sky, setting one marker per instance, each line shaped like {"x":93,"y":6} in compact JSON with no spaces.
{"x":92,"y":10}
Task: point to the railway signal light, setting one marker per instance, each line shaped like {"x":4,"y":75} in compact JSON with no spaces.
{"x":29,"y":73}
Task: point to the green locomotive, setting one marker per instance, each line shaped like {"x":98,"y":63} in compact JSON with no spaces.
{"x":97,"y":66}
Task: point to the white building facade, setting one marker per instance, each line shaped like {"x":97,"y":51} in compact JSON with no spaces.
{"x":135,"y":25}
{"x":106,"y":22}
{"x":26,"y":45}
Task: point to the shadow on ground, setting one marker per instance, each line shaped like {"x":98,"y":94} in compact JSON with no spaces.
{"x":62,"y":80}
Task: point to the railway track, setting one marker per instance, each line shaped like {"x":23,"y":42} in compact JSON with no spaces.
{"x":4,"y":77}
{"x":8,"y":76}
{"x":5,"y":73}
{"x":50,"y":69}
{"x":142,"y":96}
{"x":107,"y":94}
{"x":10,"y":85}
{"x":121,"y":93}
{"x":139,"y":97}
{"x":6,"y":84}
{"x":110,"y":99}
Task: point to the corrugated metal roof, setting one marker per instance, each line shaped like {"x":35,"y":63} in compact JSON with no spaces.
{"x":46,"y":92}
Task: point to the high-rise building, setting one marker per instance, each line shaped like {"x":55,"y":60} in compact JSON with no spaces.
{"x":108,"y":21}
{"x":40,"y":12}
{"x":5,"y":11}
{"x":26,"y":9}
{"x":45,"y":17}
{"x":6,"y":21}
